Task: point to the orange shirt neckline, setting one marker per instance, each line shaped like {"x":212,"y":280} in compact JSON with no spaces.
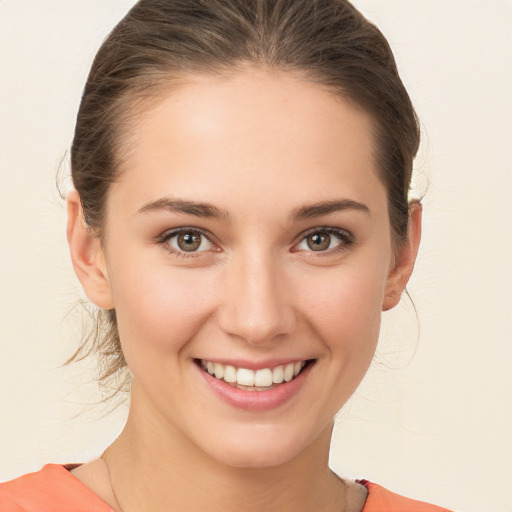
{"x":70,"y":493}
{"x":65,"y":470}
{"x":53,"y":487}
{"x":81,"y":487}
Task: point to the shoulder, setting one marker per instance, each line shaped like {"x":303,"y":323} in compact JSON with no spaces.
{"x":381,"y":500}
{"x":49,"y":489}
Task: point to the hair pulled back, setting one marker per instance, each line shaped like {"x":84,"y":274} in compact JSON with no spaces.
{"x":160,"y":42}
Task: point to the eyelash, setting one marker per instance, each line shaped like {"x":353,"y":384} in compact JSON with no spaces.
{"x":345,"y":239}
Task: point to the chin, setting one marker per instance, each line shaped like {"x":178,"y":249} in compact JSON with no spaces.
{"x":259,"y":449}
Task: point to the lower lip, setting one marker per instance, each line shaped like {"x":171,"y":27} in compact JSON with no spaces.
{"x":256,"y":400}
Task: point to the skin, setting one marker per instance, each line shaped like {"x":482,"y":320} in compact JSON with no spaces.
{"x":256,"y":291}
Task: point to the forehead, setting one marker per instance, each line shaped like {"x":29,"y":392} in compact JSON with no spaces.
{"x":255,"y":133}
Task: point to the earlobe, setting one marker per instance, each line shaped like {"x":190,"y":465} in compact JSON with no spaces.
{"x":404,"y":260}
{"x":87,"y":255}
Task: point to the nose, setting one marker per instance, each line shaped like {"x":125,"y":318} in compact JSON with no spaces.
{"x":255,"y":304}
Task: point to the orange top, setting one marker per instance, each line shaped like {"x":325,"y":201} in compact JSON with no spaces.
{"x":55,"y":489}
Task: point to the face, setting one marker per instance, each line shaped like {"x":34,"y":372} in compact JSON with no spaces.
{"x":247,"y":240}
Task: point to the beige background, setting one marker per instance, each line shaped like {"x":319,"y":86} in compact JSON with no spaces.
{"x":438,"y":429}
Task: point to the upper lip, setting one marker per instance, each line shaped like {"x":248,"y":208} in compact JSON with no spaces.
{"x":256,"y":365}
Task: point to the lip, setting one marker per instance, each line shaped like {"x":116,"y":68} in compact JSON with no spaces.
{"x":256,"y":400}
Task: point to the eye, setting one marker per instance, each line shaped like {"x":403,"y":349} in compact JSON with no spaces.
{"x":325,"y":240}
{"x":187,"y":241}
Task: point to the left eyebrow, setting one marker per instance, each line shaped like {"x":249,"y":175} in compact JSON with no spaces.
{"x":188,"y":207}
{"x":325,"y":208}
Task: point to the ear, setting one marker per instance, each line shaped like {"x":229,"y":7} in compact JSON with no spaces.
{"x":404,"y":259}
{"x":87,"y":255}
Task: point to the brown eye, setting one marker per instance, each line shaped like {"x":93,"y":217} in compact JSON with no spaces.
{"x":325,"y":240}
{"x":188,"y":241}
{"x":318,"y":241}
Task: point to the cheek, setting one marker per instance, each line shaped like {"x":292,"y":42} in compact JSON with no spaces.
{"x":345,"y":307}
{"x":159,"y":308}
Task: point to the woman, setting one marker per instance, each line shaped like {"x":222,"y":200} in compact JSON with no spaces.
{"x":241,"y":216}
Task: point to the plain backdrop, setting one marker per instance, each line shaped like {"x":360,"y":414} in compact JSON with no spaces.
{"x":438,"y":427}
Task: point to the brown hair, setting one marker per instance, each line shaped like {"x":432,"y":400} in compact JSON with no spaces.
{"x":161,"y":41}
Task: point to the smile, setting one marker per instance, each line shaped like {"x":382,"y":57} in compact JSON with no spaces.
{"x":253,"y":380}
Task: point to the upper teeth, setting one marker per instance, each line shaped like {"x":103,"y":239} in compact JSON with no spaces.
{"x":264,"y":377}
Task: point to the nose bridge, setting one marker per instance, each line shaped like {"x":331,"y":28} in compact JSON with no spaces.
{"x":256,"y":306}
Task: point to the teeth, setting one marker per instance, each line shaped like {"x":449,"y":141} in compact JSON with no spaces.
{"x":261,"y":379}
{"x":219,"y":370}
{"x":245,"y":377}
{"x":229,"y":373}
{"x":278,"y":375}
{"x":288,"y":372}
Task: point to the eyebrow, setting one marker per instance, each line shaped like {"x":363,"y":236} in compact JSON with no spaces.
{"x":325,"y":208}
{"x":189,"y":207}
{"x":207,"y":210}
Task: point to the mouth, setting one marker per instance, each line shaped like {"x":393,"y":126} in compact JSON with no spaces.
{"x":263,"y":379}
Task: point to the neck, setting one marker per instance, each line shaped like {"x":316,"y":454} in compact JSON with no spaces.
{"x":155,"y":468}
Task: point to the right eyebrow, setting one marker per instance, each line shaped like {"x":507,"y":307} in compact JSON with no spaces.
{"x":328,"y":207}
{"x":189,"y":207}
